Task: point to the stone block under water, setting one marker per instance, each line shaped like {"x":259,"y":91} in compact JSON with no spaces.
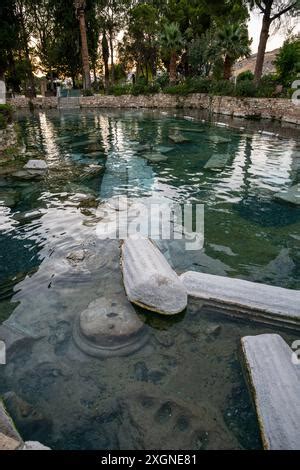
{"x":216,"y":139}
{"x":239,"y":298}
{"x":178,"y":138}
{"x":155,"y":157}
{"x":149,"y":279}
{"x":109,"y":328}
{"x":36,"y":165}
{"x":292,"y":195}
{"x":275,"y":385}
{"x":217,"y":162}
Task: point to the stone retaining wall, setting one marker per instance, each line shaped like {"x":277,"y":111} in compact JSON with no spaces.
{"x":265,"y":108}
{"x":8,"y":138}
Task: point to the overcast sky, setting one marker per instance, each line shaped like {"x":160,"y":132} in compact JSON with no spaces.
{"x":275,"y":39}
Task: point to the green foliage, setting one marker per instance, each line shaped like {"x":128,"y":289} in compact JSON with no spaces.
{"x":3,"y":122}
{"x":87,"y":92}
{"x":9,"y":34}
{"x":6,"y":115}
{"x":233,"y":43}
{"x":199,"y":84}
{"x":246,"y":88}
{"x":171,"y":39}
{"x":202,"y":53}
{"x":179,"y":89}
{"x":222,"y":88}
{"x":162,"y":80}
{"x":288,"y":61}
{"x":267,"y":86}
{"x":141,"y":87}
{"x":119,"y":90}
{"x":247,"y":75}
{"x":140,"y":43}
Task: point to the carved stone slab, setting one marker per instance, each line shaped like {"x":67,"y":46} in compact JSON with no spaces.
{"x":275,"y":383}
{"x":149,"y":279}
{"x":260,"y":302}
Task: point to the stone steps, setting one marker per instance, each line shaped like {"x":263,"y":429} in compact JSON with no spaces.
{"x":239,"y":298}
{"x":275,"y":385}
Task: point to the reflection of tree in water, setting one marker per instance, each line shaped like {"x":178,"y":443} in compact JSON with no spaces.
{"x":268,"y":213}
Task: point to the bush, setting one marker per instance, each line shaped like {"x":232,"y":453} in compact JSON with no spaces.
{"x":141,"y":87}
{"x":119,"y":90}
{"x":3,"y":122}
{"x":222,"y":88}
{"x":180,"y":89}
{"x":245,"y":76}
{"x":288,"y":61}
{"x":7,"y":111}
{"x":199,"y":85}
{"x":246,"y":88}
{"x":87,"y":92}
{"x":162,"y":80}
{"x":267,"y":86}
{"x":6,"y":114}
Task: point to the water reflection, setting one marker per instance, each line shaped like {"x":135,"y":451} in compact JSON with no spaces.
{"x":42,"y":222}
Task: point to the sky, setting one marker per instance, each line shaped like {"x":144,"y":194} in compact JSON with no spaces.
{"x":275,"y":40}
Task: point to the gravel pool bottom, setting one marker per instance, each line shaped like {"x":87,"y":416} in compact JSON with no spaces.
{"x":184,"y":388}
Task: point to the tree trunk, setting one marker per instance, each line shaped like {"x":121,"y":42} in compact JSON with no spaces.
{"x":173,"y":68}
{"x":227,"y":68}
{"x":112,"y":65}
{"x":105,"y":55}
{"x":84,"y":52}
{"x":95,"y":75}
{"x":264,"y":36}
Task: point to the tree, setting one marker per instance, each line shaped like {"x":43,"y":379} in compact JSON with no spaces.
{"x":233,"y":43}
{"x":140,"y":42}
{"x":202,"y":53}
{"x":272,"y":10}
{"x":22,"y":12}
{"x":65,"y":49}
{"x":287,"y":61}
{"x":172,"y":43}
{"x":9,"y":36}
{"x":41,"y":24}
{"x":112,"y":17}
{"x":80,"y":11}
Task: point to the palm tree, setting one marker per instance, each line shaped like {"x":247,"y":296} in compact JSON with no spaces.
{"x":80,"y":7}
{"x":233,"y":43}
{"x":172,"y":44}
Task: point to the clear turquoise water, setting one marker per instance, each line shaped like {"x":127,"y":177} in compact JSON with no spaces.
{"x":183,"y":371}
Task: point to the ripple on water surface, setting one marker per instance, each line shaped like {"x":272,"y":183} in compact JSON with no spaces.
{"x":184,"y":387}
